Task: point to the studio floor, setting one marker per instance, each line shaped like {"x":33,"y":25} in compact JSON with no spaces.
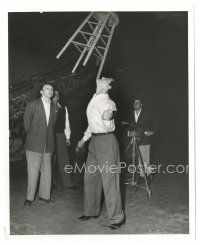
{"x":166,"y":212}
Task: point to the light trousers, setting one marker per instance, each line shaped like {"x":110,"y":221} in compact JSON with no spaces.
{"x":38,"y":163}
{"x":145,"y":153}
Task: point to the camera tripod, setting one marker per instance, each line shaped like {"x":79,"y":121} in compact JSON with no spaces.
{"x":135,"y":138}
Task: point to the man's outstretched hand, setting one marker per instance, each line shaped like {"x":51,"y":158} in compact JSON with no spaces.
{"x":81,"y":143}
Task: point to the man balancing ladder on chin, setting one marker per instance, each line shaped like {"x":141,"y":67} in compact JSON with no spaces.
{"x":103,"y":153}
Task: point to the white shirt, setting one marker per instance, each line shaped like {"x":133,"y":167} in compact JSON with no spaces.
{"x":46,"y":108}
{"x":137,"y":115}
{"x":67,"y":130}
{"x":96,"y":107}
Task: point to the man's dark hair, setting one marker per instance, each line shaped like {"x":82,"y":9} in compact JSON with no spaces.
{"x":137,"y":99}
{"x":61,"y":97}
{"x":46,"y":83}
{"x":41,"y":88}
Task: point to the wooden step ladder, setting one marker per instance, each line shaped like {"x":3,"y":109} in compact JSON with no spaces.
{"x":93,"y":37}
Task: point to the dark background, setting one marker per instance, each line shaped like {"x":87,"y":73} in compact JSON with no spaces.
{"x":148,"y":57}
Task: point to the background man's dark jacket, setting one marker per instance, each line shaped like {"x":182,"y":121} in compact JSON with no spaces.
{"x":39,"y":136}
{"x":144,"y":123}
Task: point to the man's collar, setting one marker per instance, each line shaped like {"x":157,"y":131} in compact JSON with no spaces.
{"x":45,"y":100}
{"x":138,"y":110}
{"x":101,"y":95}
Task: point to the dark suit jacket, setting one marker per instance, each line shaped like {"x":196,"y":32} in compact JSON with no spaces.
{"x":144,"y":123}
{"x":39,"y":136}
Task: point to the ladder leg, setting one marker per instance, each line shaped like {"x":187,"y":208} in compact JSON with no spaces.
{"x":79,"y":60}
{"x":96,"y":39}
{"x":91,"y":40}
{"x":106,"y":51}
{"x":74,"y":35}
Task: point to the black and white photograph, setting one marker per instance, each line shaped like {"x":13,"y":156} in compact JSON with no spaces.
{"x":99,"y":125}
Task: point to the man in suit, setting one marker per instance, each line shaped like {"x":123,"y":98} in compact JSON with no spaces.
{"x":39,"y":120}
{"x":144,"y":123}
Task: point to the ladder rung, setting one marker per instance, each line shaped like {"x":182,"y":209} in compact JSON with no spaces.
{"x":91,"y":26}
{"x":101,"y":47}
{"x":77,"y":47}
{"x":92,"y":22}
{"x":81,"y":44}
{"x":103,"y":41}
{"x":97,"y":56}
{"x":99,"y":53}
{"x":91,"y":34}
{"x":84,"y":37}
{"x":107,"y":29}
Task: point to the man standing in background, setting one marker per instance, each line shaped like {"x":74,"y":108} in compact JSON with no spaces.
{"x":63,"y":133}
{"x":143,"y":122}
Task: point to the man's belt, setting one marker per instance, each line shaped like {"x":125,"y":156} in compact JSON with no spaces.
{"x":100,"y":134}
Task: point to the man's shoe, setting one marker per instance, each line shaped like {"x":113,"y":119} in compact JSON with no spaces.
{"x":48,"y":201}
{"x":27,"y":203}
{"x":84,"y":217}
{"x":116,"y":226}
